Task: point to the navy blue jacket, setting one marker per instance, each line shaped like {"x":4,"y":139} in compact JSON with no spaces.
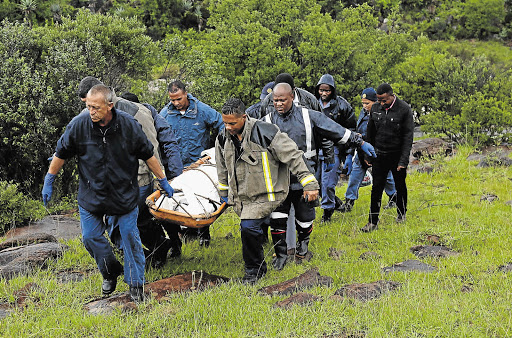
{"x":107,"y":161}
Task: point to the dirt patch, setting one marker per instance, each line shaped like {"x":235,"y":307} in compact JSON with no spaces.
{"x":336,"y":254}
{"x":21,"y":296}
{"x":438,"y":251}
{"x":308,"y":279}
{"x":410,"y":265}
{"x":71,"y":276}
{"x":366,"y":291}
{"x":61,"y":227}
{"x":369,"y":255}
{"x":300,"y":298}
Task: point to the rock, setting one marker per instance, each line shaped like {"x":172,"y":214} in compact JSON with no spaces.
{"x":438,"y":251}
{"x":426,"y":169}
{"x":409,"y":265}
{"x":27,"y":239}
{"x":509,"y":203}
{"x":366,"y":291}
{"x":433,"y":239}
{"x":300,"y":298}
{"x":21,"y":296}
{"x":309,"y":278}
{"x":61,"y":227}
{"x":369,"y":255}
{"x":70,"y":276}
{"x":505,"y":268}
{"x":429,"y":147}
{"x":488,"y":198}
{"x":190,"y":281}
{"x":23,"y":259}
{"x":229,"y":235}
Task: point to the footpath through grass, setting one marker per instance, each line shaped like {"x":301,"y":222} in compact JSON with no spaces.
{"x":466,"y":296}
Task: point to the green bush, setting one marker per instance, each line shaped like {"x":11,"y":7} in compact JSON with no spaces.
{"x":16,"y":208}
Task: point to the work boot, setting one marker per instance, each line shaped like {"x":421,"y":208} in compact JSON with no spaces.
{"x":251,"y":279}
{"x":369,"y":227}
{"x":253,"y":254}
{"x":347,"y":206}
{"x":326,"y":217}
{"x":337,"y":203}
{"x":391,"y":202}
{"x":281,"y":249}
{"x":110,"y":282}
{"x":302,"y":251}
{"x":137,"y":294}
{"x":204,"y":236}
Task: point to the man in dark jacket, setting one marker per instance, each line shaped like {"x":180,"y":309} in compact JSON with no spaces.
{"x":254,"y":110}
{"x":108,"y":144}
{"x":340,"y":111}
{"x":254,"y":161}
{"x":309,"y":129}
{"x":390,"y":129}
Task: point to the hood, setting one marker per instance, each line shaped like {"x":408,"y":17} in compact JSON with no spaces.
{"x":328,"y":80}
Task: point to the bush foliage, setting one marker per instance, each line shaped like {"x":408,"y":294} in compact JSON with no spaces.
{"x":16,"y":208}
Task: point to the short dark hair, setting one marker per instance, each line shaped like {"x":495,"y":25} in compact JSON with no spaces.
{"x":176,"y":85}
{"x":384,"y":88}
{"x":86,"y":84}
{"x":233,"y":106}
{"x":285,"y":78}
{"x":130,"y":97}
{"x":105,"y":91}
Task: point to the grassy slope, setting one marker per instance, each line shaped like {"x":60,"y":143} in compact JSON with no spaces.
{"x":446,"y":203}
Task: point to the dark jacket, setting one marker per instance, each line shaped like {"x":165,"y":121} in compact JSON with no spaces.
{"x":324,"y":131}
{"x":254,"y":110}
{"x":108,"y":161}
{"x":302,"y":96}
{"x":257,"y":181}
{"x":338,"y":109}
{"x":391,"y":131}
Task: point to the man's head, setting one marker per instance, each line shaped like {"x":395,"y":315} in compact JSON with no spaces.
{"x":130,"y":97}
{"x":385,"y":95}
{"x":368,"y":98}
{"x":285,"y":78}
{"x":233,"y":116}
{"x":99,"y":102}
{"x":326,"y":88}
{"x":178,"y":95}
{"x":283,"y":97}
{"x":85,"y":85}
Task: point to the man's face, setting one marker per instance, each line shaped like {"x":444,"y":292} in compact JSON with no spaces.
{"x":324,"y":90}
{"x":367,"y":104}
{"x":179,"y":99}
{"x":385,"y":100}
{"x":233,"y":123}
{"x":99,"y":110}
{"x":283,"y":100}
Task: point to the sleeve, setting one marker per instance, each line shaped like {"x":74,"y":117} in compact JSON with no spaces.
{"x":66,"y":146}
{"x":285,"y":150}
{"x":214,"y":120}
{"x":222,"y":171}
{"x":169,"y":146}
{"x":142,"y":145}
{"x":407,"y":137}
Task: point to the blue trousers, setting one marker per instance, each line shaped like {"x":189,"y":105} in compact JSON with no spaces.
{"x":356,"y":177}
{"x":328,"y":180}
{"x":93,"y":230}
{"x":253,"y":238}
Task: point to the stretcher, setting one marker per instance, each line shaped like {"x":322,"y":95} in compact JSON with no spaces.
{"x":196,"y":201}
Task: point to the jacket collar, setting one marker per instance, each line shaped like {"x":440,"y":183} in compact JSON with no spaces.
{"x":191,"y":110}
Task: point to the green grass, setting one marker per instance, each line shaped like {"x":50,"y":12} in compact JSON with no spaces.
{"x":445,"y":203}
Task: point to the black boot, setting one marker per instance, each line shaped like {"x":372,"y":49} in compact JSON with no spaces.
{"x":337,"y":203}
{"x":302,"y":250}
{"x":173,"y":231}
{"x":326,"y":217}
{"x":204,"y":236}
{"x":281,"y":249}
{"x":347,"y":206}
{"x":254,"y":257}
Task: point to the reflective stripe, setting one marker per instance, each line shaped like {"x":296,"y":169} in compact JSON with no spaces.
{"x":268,"y":176}
{"x":222,"y":186}
{"x":307,"y":179}
{"x":275,"y":215}
{"x":346,"y":136}
{"x":267,"y":118}
{"x":303,"y":225}
{"x":309,"y":153}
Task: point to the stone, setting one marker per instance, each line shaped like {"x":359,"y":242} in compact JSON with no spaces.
{"x":70,"y":276}
{"x":509,"y":203}
{"x":61,"y":227}
{"x":409,"y":265}
{"x":27,"y":239}
{"x":429,"y":147}
{"x":308,"y":279}
{"x":505,"y":267}
{"x":433,"y":239}
{"x":438,"y":251}
{"x":489,"y":198}
{"x":368,"y":255}
{"x":366,"y":291}
{"x":300,"y":298}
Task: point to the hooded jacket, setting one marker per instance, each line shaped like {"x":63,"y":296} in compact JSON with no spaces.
{"x":258,"y":180}
{"x":338,"y":109}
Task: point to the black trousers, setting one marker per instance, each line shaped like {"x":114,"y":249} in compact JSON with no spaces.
{"x":381,"y":166}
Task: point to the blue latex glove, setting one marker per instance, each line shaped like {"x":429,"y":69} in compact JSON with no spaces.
{"x":348,"y":164}
{"x":224,"y":199}
{"x":48,"y":188}
{"x":164,"y":184}
{"x":328,"y":166}
{"x":368,"y":149}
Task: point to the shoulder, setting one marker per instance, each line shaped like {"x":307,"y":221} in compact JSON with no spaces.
{"x":263,"y":133}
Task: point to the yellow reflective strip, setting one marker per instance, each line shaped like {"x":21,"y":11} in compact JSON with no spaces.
{"x":222,"y":186}
{"x":268,"y":177}
{"x":307,"y":179}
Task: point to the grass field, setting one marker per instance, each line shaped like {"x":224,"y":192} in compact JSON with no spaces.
{"x":466,"y":296}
